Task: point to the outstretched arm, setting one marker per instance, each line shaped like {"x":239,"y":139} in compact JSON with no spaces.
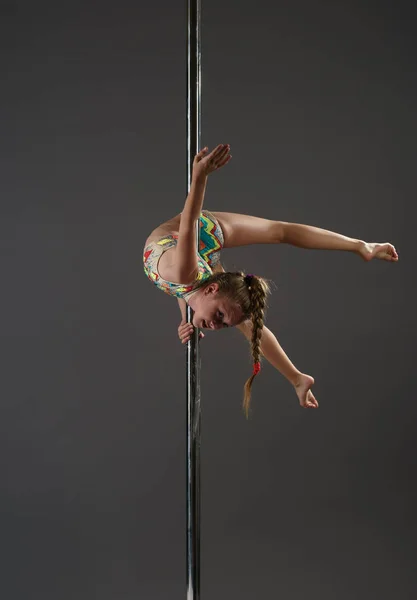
{"x":271,"y":350}
{"x":274,"y":353}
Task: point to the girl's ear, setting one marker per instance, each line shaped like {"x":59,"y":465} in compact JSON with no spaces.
{"x":212,"y":288}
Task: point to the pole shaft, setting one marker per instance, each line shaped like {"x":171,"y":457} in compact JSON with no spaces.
{"x":193,"y":357}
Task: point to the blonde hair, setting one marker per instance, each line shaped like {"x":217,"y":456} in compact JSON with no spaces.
{"x":250,"y":293}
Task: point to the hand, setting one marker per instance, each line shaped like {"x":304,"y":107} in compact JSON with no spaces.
{"x":305,"y":395}
{"x":185,"y":330}
{"x":203,"y":165}
{"x":385,"y":251}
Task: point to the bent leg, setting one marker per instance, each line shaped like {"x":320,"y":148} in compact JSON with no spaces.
{"x":243,"y":230}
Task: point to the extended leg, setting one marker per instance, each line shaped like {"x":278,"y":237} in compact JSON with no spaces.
{"x":243,"y":230}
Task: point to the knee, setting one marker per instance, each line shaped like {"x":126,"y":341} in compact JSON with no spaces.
{"x":279,"y":231}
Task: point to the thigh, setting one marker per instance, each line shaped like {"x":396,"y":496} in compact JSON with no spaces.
{"x":243,"y":230}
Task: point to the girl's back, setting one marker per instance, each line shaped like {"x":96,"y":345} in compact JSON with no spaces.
{"x":166,"y":261}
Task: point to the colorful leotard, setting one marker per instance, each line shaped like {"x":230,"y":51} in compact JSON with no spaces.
{"x":211,"y":242}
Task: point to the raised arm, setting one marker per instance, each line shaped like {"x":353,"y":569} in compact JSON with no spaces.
{"x":186,"y":250}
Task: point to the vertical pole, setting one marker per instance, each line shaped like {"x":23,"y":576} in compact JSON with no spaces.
{"x":193,"y":358}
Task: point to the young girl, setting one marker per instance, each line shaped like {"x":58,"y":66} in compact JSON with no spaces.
{"x":221,"y":299}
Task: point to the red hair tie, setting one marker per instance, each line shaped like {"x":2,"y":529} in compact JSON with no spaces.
{"x":256,"y":368}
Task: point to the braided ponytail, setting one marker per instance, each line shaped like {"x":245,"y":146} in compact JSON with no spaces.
{"x":258,"y":290}
{"x":249,"y":293}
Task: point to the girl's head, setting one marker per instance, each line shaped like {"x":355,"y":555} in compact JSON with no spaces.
{"x":227,"y":300}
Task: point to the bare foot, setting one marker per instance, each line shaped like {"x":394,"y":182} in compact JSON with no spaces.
{"x":305,"y":395}
{"x":385,"y":251}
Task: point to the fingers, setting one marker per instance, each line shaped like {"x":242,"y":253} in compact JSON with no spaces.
{"x":198,"y":157}
{"x":202,"y":152}
{"x":216,"y":159}
{"x":219,"y":156}
{"x":185,"y":332}
{"x":389,"y":251}
{"x":215,"y":166}
{"x":392,"y":252}
{"x":219,"y":150}
{"x":213,"y":153}
{"x":388,"y":255}
{"x":310,"y":401}
{"x":385,"y":251}
{"x":224,"y":161}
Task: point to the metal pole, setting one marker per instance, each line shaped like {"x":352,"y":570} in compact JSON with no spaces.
{"x":193,"y":357}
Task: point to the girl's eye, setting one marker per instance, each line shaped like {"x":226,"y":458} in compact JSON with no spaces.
{"x":221,"y":315}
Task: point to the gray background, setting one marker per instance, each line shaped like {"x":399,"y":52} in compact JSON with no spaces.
{"x":317,"y":100}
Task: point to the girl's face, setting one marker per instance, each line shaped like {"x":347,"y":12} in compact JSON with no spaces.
{"x":214,"y":311}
